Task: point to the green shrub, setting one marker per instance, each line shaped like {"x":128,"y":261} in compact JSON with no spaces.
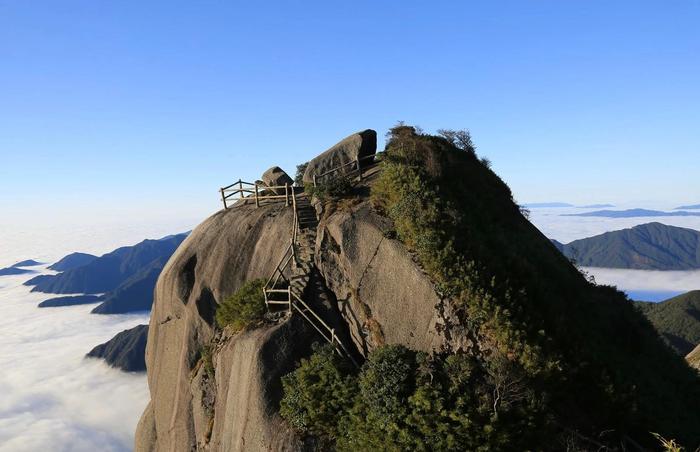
{"x":206,"y":355}
{"x":386,"y":382}
{"x":400,"y":400}
{"x":244,"y":308}
{"x":317,"y":394}
{"x":331,"y":187}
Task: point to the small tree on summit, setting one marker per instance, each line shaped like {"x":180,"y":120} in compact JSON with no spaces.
{"x":461,"y":139}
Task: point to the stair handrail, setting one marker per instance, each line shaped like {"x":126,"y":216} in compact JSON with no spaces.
{"x":333,"y":339}
{"x":292,"y":298}
{"x":278,"y":273}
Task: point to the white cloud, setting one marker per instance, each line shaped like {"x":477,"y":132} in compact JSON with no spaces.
{"x":52,"y":397}
{"x":646,"y":280}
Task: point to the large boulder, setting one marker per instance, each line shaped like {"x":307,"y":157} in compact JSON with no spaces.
{"x":275,"y":177}
{"x":356,"y":146}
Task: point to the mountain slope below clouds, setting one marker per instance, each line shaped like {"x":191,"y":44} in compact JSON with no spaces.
{"x":126,"y":350}
{"x":69,"y":301}
{"x":677,"y":320}
{"x":110,"y":270}
{"x":651,"y":246}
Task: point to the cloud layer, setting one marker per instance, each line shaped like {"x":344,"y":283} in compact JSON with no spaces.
{"x":52,"y":397}
{"x":566,"y":229}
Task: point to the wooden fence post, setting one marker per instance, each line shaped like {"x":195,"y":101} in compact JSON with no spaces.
{"x":289,"y":297}
{"x":314,"y":181}
{"x":286,"y":194}
{"x":257,"y":201}
{"x":240,"y":186}
{"x":358,"y":167}
{"x":223,"y":198}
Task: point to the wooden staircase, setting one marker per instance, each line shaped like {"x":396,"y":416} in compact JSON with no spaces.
{"x":285,"y":288}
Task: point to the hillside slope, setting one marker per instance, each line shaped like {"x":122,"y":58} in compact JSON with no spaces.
{"x":677,"y":320}
{"x":125,"y":350}
{"x":651,"y":246}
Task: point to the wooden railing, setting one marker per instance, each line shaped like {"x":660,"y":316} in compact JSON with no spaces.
{"x":322,"y":327}
{"x":278,"y":284}
{"x":272,"y":285}
{"x":354,"y":164}
{"x":259,"y":192}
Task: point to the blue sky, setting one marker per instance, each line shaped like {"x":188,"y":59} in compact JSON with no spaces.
{"x":136,"y":109}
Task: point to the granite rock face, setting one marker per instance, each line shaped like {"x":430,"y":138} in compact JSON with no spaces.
{"x":383,"y":295}
{"x":226,"y":250}
{"x":356,"y":146}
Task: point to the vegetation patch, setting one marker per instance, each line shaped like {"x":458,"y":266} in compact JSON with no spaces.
{"x":399,"y":400}
{"x":334,"y":187}
{"x":244,"y":308}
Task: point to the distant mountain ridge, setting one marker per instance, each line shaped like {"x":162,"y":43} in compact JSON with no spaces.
{"x":69,"y":301}
{"x":17,"y":269}
{"x":677,"y":320}
{"x":632,"y":213}
{"x":691,"y":207}
{"x":72,"y":261}
{"x":110,"y":270}
{"x":538,"y":205}
{"x":650,"y":246}
{"x":134,"y":294}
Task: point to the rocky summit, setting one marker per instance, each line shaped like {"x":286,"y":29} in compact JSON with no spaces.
{"x":406,"y":306}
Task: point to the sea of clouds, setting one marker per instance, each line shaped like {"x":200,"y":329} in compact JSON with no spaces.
{"x":52,"y":397}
